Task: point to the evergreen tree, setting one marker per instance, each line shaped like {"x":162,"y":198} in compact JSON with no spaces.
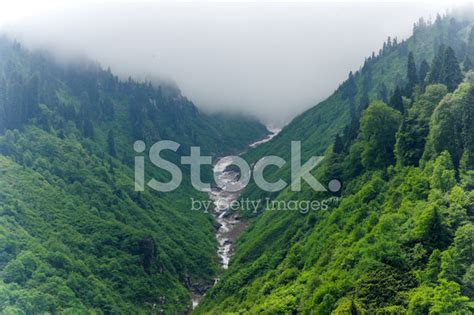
{"x":87,"y":109}
{"x":451,"y":72}
{"x":409,"y":146}
{"x":467,"y":132}
{"x":338,"y":146}
{"x":412,"y":75}
{"x":31,"y":92}
{"x":352,"y":129}
{"x":396,"y":100}
{"x":14,"y":109}
{"x":431,"y":230}
{"x":423,"y":71}
{"x":445,"y":69}
{"x":88,"y":128}
{"x":383,"y":94}
{"x":364,"y":101}
{"x":111,"y":143}
{"x":435,"y":76}
{"x":349,"y":88}
{"x":107,"y":109}
{"x":411,"y":136}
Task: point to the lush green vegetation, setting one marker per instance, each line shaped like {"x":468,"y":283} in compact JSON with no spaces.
{"x":76,"y":238}
{"x":399,"y":134}
{"x":381,"y":77}
{"x":74,"y":235}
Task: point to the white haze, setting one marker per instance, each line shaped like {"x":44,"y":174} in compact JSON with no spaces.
{"x":271,"y":60}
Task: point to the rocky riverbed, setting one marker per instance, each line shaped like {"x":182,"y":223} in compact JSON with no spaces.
{"x":229,"y":224}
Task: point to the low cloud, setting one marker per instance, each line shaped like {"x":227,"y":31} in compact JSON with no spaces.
{"x":268,"y":60}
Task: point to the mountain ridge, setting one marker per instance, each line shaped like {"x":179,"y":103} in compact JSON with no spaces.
{"x":397,"y":239}
{"x":75,"y":235}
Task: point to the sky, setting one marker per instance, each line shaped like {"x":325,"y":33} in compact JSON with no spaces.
{"x":272,"y":60}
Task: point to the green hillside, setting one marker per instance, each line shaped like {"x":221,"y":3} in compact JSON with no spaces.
{"x":377,"y":79}
{"x":74,"y":235}
{"x":398,"y":238}
{"x":76,"y":238}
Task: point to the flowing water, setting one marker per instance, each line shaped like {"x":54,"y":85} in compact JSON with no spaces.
{"x":230,"y":225}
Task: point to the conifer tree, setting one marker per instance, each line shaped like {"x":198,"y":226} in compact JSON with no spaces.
{"x":88,"y":128}
{"x":431,"y":229}
{"x":338,"y":146}
{"x":349,"y":88}
{"x":423,"y":71}
{"x":111,"y":143}
{"x":451,"y":74}
{"x":445,"y":69}
{"x":434,"y":76}
{"x":396,"y":100}
{"x":467,"y":132}
{"x":412,"y":74}
{"x":364,"y":101}
{"x":31,"y":96}
{"x":383,"y":94}
{"x":351,"y":130}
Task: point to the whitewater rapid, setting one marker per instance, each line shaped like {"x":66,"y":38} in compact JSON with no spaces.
{"x":229,"y":224}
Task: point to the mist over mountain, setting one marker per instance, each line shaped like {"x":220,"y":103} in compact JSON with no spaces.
{"x":269,"y":61}
{"x":89,"y":224}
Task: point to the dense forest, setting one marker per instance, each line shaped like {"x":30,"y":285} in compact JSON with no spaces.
{"x":398,"y":238}
{"x":75,"y":237}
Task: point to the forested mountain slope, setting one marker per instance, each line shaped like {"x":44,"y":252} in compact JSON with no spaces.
{"x":74,"y":235}
{"x":380,"y":74}
{"x":399,"y":238}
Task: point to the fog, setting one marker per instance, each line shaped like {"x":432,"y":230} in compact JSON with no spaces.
{"x":271,"y":60}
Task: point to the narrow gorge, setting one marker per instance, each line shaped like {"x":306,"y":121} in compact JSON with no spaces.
{"x":229,"y":224}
